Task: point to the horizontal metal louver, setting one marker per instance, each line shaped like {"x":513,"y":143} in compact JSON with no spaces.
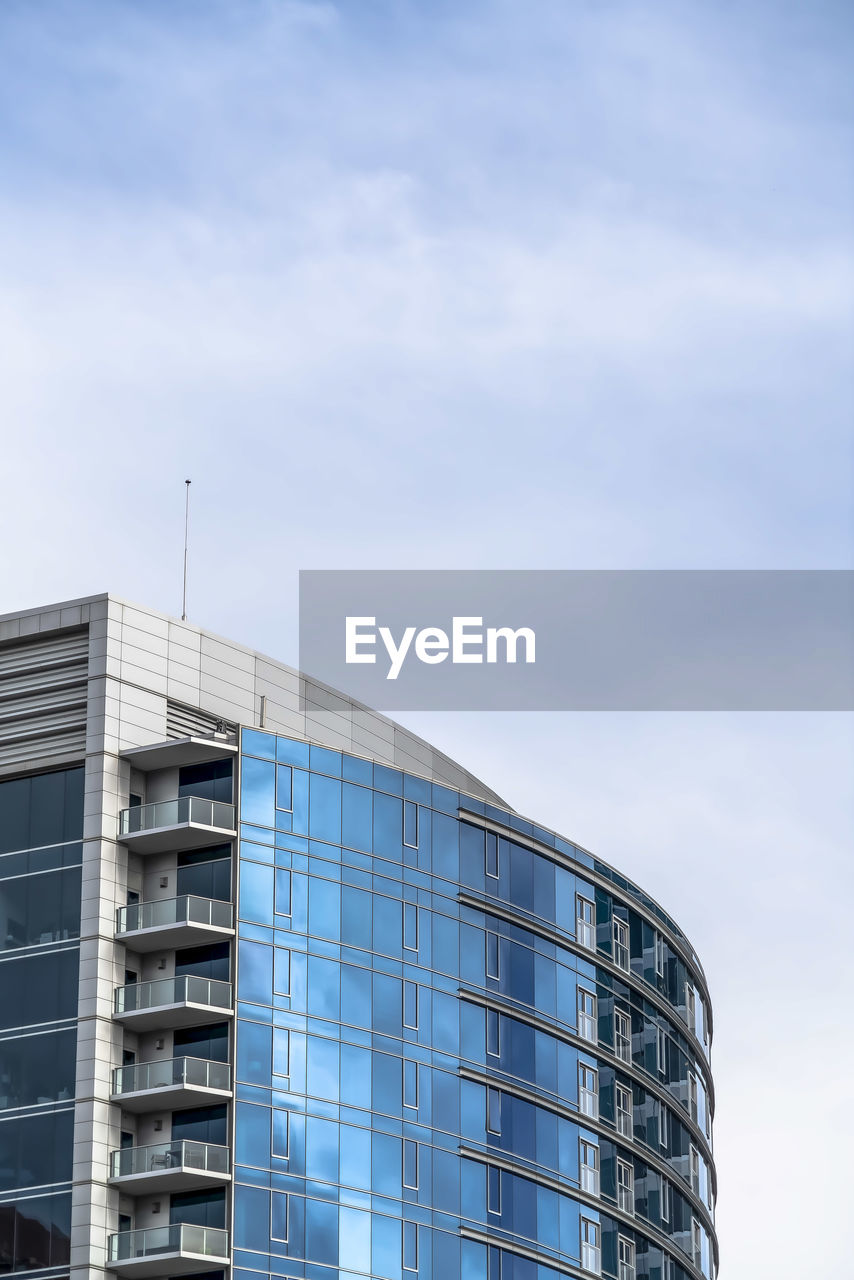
{"x":43,"y":685}
{"x":188,"y":722}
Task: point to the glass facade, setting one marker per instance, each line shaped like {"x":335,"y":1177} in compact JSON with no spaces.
{"x":464,"y":1047}
{"x":41,"y":830}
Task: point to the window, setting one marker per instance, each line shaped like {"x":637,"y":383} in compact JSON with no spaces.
{"x":493,"y":1110}
{"x":625,"y":1258}
{"x":690,"y":1007}
{"x":410,"y":824}
{"x":585,"y":923}
{"x":659,"y":955}
{"x":279,"y":1138}
{"x":622,"y":1035}
{"x":621,"y":943}
{"x":491,"y":863}
{"x":493,"y":1033}
{"x":410,"y":1164}
{"x":409,"y":1247}
{"x":591,"y":1247}
{"x":587,"y":1016}
{"x":283,"y":892}
{"x":410,"y":1005}
{"x":695,"y":1170}
{"x":588,"y":1165}
{"x":625,"y":1186}
{"x":281,"y":1051}
{"x":281,"y":971}
{"x":666,"y":1201}
{"x":493,"y":1189}
{"x":661,"y":1050}
{"x":493,"y":962}
{"x":623,"y":1107}
{"x":588,"y":1091}
{"x":663,"y":1128}
{"x":410,"y":926}
{"x":692,"y":1096}
{"x":696,"y":1242}
{"x":284,"y":788}
{"x":279,"y":1216}
{"x":410,"y":1083}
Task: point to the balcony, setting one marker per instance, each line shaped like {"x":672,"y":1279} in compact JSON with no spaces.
{"x":174,"y":1082}
{"x":187,"y":822}
{"x":170,"y":1166}
{"x":175,"y":752}
{"x":174,"y":922}
{"x":185,"y":1001}
{"x":178,"y":1250}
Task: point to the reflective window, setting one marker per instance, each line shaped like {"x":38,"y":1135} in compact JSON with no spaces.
{"x":585,"y":923}
{"x":493,"y":1110}
{"x":36,"y":1151}
{"x":410,"y":1246}
{"x":35,"y":1233}
{"x":621,"y":943}
{"x":591,"y":1246}
{"x":624,"y":1110}
{"x":587,"y":1027}
{"x":588,"y":1091}
{"x":410,"y":824}
{"x":410,"y":1163}
{"x":588,"y":1163}
{"x":622,"y":1035}
{"x":625,"y":1186}
{"x":37,"y":1068}
{"x":279,"y":1217}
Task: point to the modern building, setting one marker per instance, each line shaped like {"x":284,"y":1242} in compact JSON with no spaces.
{"x":286,"y":992}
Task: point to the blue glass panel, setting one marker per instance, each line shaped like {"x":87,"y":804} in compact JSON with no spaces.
{"x":356,"y":817}
{"x":355,"y":1235}
{"x":255,"y":972}
{"x":254,"y":1052}
{"x":252,"y":1136}
{"x":256,"y":743}
{"x":387,"y":827}
{"x":324,"y":909}
{"x":288,"y":751}
{"x":257,"y":792}
{"x":325,"y":808}
{"x":256,"y":892}
{"x":321,"y":1232}
{"x":284,"y":787}
{"x":251,"y":1216}
{"x":322,"y":760}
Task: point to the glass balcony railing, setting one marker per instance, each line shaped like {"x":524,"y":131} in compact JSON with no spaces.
{"x":164,"y":991}
{"x":198,"y":1073}
{"x":184,"y":910}
{"x":163,"y":1156}
{"x":174,"y":813}
{"x":210,"y":1242}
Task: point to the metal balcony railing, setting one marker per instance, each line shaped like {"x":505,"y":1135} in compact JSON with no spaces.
{"x":181,"y":1238}
{"x":184,"y":910}
{"x":199,"y":1072}
{"x":163,"y":1156}
{"x":187,"y":988}
{"x":174,"y":813}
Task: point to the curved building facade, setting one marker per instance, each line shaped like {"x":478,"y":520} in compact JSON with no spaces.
{"x":285,"y":992}
{"x":470,"y":1048}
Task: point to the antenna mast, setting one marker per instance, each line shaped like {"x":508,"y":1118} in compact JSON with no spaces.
{"x":186,"y":540}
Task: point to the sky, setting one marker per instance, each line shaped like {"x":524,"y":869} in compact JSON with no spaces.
{"x":476,"y":284}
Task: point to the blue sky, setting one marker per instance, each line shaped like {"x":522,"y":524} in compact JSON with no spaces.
{"x":553,"y":284}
